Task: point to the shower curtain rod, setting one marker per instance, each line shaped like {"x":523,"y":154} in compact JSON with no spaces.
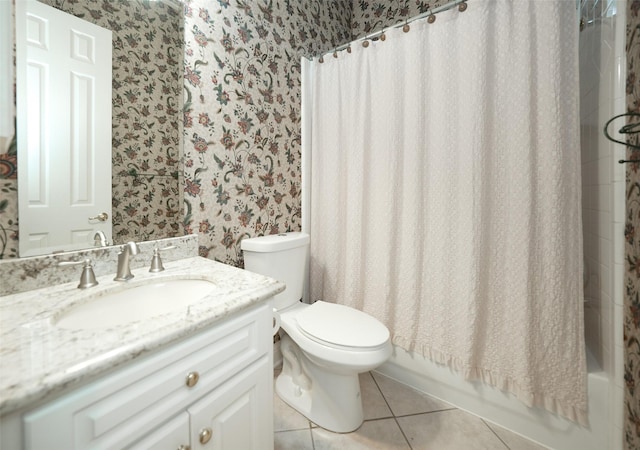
{"x":376,"y":34}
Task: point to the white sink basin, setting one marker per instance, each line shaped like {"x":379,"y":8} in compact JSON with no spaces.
{"x":134,"y":304}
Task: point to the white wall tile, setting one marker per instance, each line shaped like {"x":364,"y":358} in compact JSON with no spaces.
{"x":618,"y":200}
{"x":618,"y":366}
{"x":618,"y":174}
{"x":606,"y":361}
{"x":618,"y":413}
{"x":618,"y":283}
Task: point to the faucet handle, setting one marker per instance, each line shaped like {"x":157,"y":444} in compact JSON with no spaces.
{"x":87,"y":278}
{"x":156,"y":261}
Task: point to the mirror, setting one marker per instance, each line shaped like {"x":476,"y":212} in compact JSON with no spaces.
{"x":146,"y":135}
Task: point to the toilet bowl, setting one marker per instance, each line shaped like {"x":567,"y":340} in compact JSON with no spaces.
{"x":320,"y":373}
{"x":324,"y":345}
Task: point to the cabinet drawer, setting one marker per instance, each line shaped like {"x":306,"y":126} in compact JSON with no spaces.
{"x":169,"y":436}
{"x":121,"y":407}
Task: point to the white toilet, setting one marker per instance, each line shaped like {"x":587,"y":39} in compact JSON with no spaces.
{"x":326,"y":345}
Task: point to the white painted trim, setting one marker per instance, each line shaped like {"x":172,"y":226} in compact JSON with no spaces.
{"x":305,"y":159}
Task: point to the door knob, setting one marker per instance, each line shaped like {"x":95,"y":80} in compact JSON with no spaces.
{"x":101,"y":217}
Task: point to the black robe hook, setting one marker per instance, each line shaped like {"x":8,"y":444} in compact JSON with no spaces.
{"x":631,"y":128}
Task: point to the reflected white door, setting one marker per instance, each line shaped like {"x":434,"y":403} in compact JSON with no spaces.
{"x":63,"y":91}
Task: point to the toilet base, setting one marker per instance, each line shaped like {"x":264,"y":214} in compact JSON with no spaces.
{"x":330,"y":400}
{"x":277,"y":355}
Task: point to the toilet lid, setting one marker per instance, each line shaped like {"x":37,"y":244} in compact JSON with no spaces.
{"x":341,"y":325}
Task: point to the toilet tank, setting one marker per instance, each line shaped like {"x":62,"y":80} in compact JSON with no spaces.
{"x":281,"y":256}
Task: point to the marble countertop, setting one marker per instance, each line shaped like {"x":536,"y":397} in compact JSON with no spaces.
{"x":39,"y":359}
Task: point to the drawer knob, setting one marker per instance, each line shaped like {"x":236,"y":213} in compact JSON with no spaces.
{"x":205,"y":435}
{"x":192,"y":379}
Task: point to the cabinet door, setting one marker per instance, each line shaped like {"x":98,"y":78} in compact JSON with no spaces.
{"x":170,"y":436}
{"x":238,"y":414}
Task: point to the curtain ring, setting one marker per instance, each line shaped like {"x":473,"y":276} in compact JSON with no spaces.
{"x":383,"y":36}
{"x":365,"y":44}
{"x":431,"y":18}
{"x":462,"y":7}
{"x":406,"y":28}
{"x":321,"y":60}
{"x":349,"y":49}
{"x":335,"y":53}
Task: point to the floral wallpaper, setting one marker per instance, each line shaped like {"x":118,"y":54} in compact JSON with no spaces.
{"x":8,"y":207}
{"x":242,"y":114}
{"x":631,"y":324}
{"x":370,"y":16}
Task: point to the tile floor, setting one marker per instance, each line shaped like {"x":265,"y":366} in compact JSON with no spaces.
{"x":396,"y":417}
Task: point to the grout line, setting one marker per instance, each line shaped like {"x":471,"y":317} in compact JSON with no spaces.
{"x":291,"y":429}
{"x":402,"y":431}
{"x":313,"y":442}
{"x":496,"y":434}
{"x":381,"y":393}
{"x":395,"y":419}
{"x":390,"y":416}
{"x":428,"y":412}
{"x":412,"y":414}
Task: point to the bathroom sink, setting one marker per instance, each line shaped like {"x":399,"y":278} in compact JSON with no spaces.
{"x":136,"y":303}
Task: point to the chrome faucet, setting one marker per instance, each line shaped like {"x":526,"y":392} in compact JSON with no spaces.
{"x":123,"y":273}
{"x":100,"y":240}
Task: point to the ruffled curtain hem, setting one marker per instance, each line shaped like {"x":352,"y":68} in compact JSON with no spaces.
{"x":573,"y":413}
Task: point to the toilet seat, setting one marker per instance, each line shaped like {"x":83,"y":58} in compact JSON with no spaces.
{"x":341,"y":326}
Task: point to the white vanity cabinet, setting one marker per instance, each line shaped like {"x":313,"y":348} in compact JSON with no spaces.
{"x":172,"y":435}
{"x":212,"y":390}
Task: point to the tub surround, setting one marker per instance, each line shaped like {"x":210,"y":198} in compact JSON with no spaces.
{"x":41,"y":360}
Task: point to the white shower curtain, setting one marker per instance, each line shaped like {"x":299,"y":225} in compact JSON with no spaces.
{"x":445,"y":194}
